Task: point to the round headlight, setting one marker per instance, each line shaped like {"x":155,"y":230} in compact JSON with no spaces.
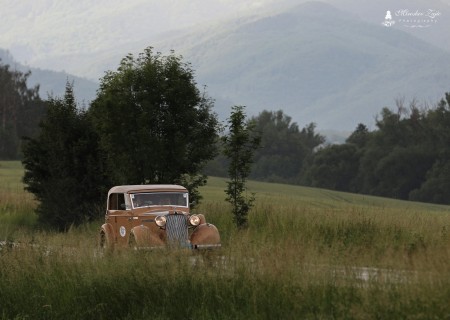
{"x":160,"y":221}
{"x":194,"y":220}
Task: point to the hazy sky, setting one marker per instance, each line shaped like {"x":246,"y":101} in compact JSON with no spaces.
{"x":43,"y":26}
{"x":39,"y":27}
{"x":58,"y":35}
{"x":42,"y":33}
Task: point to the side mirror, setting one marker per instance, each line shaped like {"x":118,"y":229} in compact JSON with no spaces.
{"x":192,"y":204}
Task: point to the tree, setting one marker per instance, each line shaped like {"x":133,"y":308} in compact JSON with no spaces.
{"x":360,"y":136}
{"x":154,"y":123}
{"x":63,"y":166}
{"x":406,"y":158}
{"x":239,"y":146}
{"x":401,"y":171}
{"x":436,"y":188}
{"x":334,"y":167}
{"x":20,"y":111}
{"x":284,"y":147}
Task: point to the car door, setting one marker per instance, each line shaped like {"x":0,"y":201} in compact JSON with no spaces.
{"x":120,"y":217}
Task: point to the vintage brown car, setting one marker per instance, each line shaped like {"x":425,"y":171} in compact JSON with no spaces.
{"x":152,"y":216}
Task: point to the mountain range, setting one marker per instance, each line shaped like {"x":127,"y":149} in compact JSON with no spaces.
{"x":52,"y":83}
{"x":335,"y":65}
{"x":319,"y":64}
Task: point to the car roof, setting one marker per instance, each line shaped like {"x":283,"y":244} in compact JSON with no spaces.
{"x":146,"y":187}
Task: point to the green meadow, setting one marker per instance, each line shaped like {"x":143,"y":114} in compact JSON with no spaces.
{"x":307,"y":254}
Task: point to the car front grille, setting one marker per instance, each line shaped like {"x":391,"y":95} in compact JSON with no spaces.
{"x":177,"y":230}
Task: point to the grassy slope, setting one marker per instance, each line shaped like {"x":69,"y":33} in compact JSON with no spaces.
{"x":308,"y":253}
{"x":16,"y":205}
{"x":314,"y":197}
{"x":10,"y":174}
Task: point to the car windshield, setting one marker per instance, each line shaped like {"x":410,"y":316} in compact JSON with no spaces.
{"x":179,"y":199}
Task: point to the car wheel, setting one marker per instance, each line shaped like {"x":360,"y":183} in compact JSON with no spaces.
{"x":104,"y":243}
{"x":132,"y":242}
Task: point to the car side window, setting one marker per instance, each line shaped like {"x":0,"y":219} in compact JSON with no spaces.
{"x":116,"y":201}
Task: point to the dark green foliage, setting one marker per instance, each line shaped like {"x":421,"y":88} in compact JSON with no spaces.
{"x":155,"y":125}
{"x":284,"y":151}
{"x":407,"y":157}
{"x":360,"y":136}
{"x":20,"y":111}
{"x":436,"y":187}
{"x":239,"y":147}
{"x":63,"y":168}
{"x":335,"y":167}
{"x":284,"y":147}
{"x":401,"y":171}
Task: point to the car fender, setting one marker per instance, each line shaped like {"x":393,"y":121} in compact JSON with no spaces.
{"x":205,"y":234}
{"x":106,"y":236}
{"x":202,"y":218}
{"x":144,"y":237}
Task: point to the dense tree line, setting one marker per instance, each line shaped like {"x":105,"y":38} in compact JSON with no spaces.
{"x":406,"y":157}
{"x":20,"y":111}
{"x":284,"y":151}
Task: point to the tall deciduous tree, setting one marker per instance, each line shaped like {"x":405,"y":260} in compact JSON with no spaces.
{"x":63,"y":167}
{"x":284,"y":147}
{"x":155,"y":124}
{"x":239,"y":146}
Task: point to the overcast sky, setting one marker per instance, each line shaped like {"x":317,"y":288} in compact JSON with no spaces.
{"x":37,"y":32}
{"x":39,"y":27}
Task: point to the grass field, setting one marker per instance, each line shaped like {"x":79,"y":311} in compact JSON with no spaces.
{"x":307,"y":254}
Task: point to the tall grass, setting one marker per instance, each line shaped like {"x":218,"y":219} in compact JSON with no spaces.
{"x":16,"y":205}
{"x":308,"y":254}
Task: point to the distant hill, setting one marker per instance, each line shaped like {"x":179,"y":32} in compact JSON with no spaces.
{"x":52,"y":82}
{"x":335,"y":65}
{"x":315,"y":62}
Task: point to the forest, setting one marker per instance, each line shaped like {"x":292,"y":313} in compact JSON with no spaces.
{"x":407,"y":155}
